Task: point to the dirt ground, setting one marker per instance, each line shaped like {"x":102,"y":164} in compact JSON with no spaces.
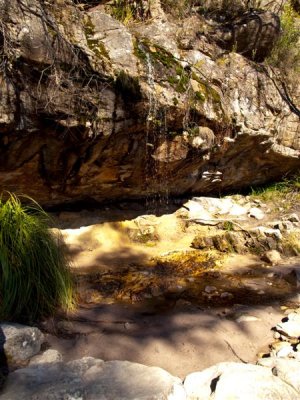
{"x":132,"y":307}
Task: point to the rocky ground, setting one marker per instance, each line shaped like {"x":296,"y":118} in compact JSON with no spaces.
{"x":183,"y":290}
{"x":275,"y":375}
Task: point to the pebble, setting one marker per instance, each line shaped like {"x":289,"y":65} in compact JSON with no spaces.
{"x":284,"y":352}
{"x":210,"y":289}
{"x":256,"y":213}
{"x":247,"y":318}
{"x":226,"y":295}
{"x":293,"y":218}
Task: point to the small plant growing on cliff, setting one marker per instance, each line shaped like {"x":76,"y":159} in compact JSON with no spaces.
{"x":127,"y":11}
{"x":286,"y":53}
{"x":34,"y":273}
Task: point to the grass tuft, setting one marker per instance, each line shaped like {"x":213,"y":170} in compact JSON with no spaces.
{"x":287,"y":190}
{"x":34,"y":272}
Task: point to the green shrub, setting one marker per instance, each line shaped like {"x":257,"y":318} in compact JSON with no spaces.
{"x":286,"y":53}
{"x":127,"y":11}
{"x":34,"y":273}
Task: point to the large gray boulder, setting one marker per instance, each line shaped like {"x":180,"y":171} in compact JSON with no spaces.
{"x":92,"y":379}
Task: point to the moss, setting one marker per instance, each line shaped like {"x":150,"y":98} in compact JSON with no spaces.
{"x":199,"y":96}
{"x":95,"y":45}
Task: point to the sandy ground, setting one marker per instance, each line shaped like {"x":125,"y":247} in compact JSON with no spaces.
{"x":178,"y":335}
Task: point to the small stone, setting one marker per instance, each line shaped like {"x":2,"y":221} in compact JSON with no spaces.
{"x":256,"y":213}
{"x":284,"y":352}
{"x":276,"y":335}
{"x":293,"y":218}
{"x":210,"y":289}
{"x":272,"y":256}
{"x":226,"y":295}
{"x":247,"y":318}
{"x":49,"y":356}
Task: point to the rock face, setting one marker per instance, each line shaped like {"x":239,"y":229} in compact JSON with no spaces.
{"x":93,"y":109}
{"x":252,"y":35}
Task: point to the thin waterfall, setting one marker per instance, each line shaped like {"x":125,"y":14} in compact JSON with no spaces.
{"x":156,"y":134}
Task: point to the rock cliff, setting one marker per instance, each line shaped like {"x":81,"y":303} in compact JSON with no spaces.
{"x":91,"y":108}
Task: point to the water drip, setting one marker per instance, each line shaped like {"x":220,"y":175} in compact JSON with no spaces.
{"x":156,"y":133}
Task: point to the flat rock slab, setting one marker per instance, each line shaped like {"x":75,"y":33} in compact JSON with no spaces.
{"x":19,"y":343}
{"x":92,"y":379}
{"x":237,"y":381}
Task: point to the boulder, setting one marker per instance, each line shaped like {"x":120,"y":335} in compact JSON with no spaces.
{"x":287,"y":370}
{"x":90,"y":378}
{"x":272,"y":257}
{"x":19,"y":343}
{"x":237,"y":381}
{"x":49,"y":356}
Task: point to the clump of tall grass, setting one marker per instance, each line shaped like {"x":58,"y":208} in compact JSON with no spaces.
{"x":287,"y":190}
{"x":34,"y":273}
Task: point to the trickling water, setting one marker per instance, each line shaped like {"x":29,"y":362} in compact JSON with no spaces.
{"x":156,"y":133}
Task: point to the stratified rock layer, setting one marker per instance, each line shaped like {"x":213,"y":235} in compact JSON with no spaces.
{"x":91,"y":109}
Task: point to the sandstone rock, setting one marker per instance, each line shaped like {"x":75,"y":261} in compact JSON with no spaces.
{"x":62,"y":142}
{"x":272,"y":256}
{"x":107,"y":34}
{"x":49,"y":356}
{"x":254,"y":34}
{"x":237,"y":381}
{"x":20,"y":343}
{"x":90,"y":378}
{"x":256,"y":213}
{"x":210,"y":289}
